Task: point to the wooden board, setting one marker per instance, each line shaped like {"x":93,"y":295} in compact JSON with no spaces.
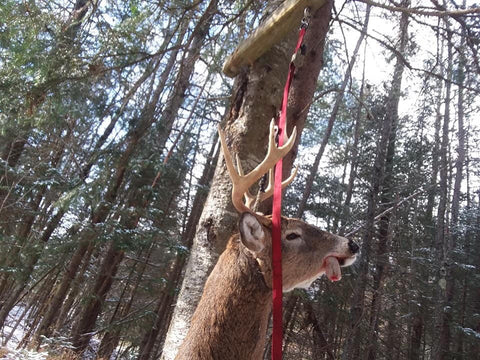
{"x":273,"y":30}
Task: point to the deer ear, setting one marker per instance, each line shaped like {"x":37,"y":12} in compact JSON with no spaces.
{"x":251,"y":232}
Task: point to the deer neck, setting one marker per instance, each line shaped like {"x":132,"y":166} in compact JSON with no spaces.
{"x":232,"y":316}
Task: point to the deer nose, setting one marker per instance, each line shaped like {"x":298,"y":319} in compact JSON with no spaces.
{"x":353,"y":246}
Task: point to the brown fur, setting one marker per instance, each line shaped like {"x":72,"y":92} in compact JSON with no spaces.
{"x":231,"y":319}
{"x":218,"y":329}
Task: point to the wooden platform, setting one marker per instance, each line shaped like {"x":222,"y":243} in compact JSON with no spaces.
{"x":274,"y":29}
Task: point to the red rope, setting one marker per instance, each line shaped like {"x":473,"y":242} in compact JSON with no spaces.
{"x":277,"y":334}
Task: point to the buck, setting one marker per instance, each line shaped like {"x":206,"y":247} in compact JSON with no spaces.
{"x":231,"y":319}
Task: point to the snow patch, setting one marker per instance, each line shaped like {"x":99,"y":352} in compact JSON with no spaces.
{"x":24,"y":354}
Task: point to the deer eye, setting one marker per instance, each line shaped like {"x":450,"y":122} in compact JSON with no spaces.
{"x":293,"y":236}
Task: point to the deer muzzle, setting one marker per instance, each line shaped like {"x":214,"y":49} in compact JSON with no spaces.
{"x":333,"y":263}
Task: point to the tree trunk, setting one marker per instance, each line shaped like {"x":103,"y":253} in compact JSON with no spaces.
{"x":255,"y":100}
{"x":113,"y":258}
{"x":354,"y":155}
{"x":475,"y":323}
{"x":416,"y":338}
{"x":457,"y":191}
{"x":82,"y":331}
{"x":111,"y":337}
{"x":140,"y":128}
{"x":288,"y":320}
{"x":187,"y":66}
{"x":444,"y":289}
{"x":321,"y":348}
{"x":55,"y":220}
{"x":331,"y":119}
{"x":40,"y":301}
{"x":88,"y":234}
{"x":436,"y":145}
{"x":163,"y":313}
{"x":13,"y":257}
{"x":62,"y":289}
{"x":384,"y":232}
{"x":416,"y":304}
{"x":67,"y":307}
{"x":43,"y":239}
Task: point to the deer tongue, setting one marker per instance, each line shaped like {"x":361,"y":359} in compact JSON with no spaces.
{"x":332,"y":268}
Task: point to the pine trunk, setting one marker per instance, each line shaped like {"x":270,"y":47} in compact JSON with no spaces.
{"x":384,"y":232}
{"x":444,"y":290}
{"x":82,"y":331}
{"x":164,"y":308}
{"x":187,"y":66}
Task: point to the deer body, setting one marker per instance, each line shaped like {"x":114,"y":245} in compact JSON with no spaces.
{"x":232,"y":316}
{"x":231,"y":319}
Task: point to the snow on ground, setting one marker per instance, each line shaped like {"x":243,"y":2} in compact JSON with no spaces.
{"x":24,"y":354}
{"x":13,"y":332}
{"x":11,"y":336}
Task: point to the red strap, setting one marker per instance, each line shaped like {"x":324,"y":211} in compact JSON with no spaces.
{"x":277,"y":334}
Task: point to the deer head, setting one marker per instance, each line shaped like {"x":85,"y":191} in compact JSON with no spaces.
{"x":231,"y":319}
{"x":308,"y":252}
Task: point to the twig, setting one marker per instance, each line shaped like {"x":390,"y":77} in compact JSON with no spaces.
{"x":413,"y":11}
{"x":390,"y":209}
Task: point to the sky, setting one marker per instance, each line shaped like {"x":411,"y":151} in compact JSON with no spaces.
{"x":379,"y":71}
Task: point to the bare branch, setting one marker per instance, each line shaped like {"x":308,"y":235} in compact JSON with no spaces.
{"x":389,"y":210}
{"x":417,"y":11}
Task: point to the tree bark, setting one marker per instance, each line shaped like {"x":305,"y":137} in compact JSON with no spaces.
{"x":384,"y":232}
{"x":321,"y":347}
{"x":67,"y":306}
{"x":354,"y":155}
{"x":306,"y":78}
{"x":436,"y":145}
{"x":139,"y":129}
{"x":255,"y":100}
{"x":187,"y":66}
{"x":82,"y":331}
{"x":475,"y":323}
{"x":457,"y":191}
{"x":444,"y":289}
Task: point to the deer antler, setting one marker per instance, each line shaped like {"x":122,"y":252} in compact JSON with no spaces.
{"x":241,"y":182}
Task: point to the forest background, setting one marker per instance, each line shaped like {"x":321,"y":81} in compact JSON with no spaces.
{"x":108,"y":145}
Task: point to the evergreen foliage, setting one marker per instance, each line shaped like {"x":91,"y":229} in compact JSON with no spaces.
{"x":100,"y":192}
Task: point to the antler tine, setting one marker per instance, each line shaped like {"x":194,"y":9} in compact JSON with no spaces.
{"x":241,"y":182}
{"x":274,"y":154}
{"x":271,"y":178}
{"x":234,"y":176}
{"x":227,"y":156}
{"x":239,"y":165}
{"x":249,"y":198}
{"x":269,"y":190}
